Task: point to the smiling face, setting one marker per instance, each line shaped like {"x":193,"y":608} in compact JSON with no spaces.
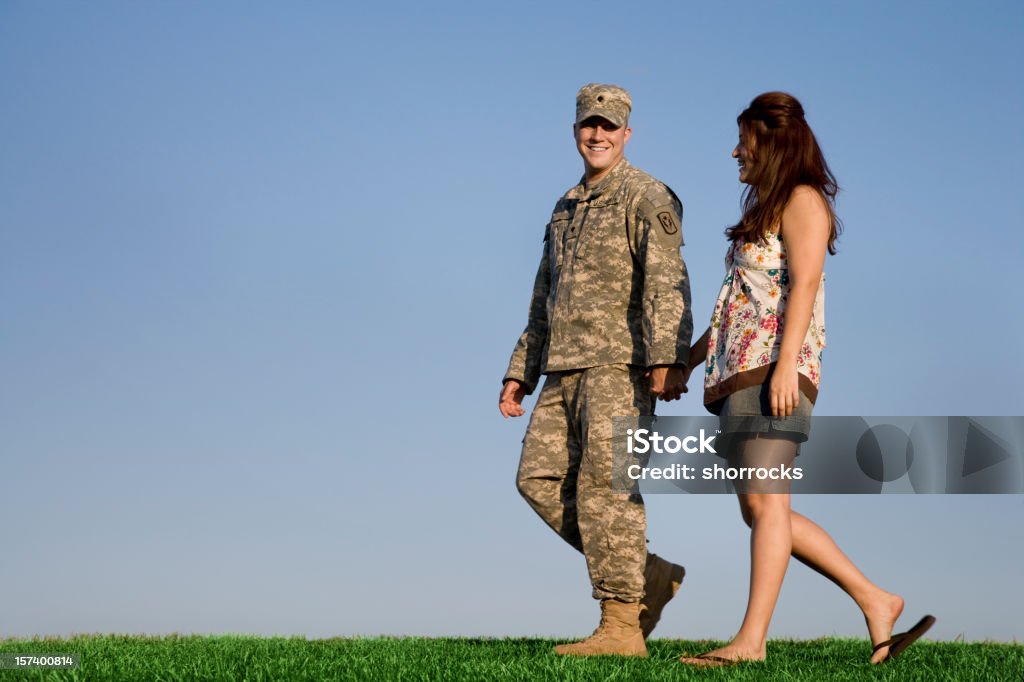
{"x":601,"y":144}
{"x":744,"y":155}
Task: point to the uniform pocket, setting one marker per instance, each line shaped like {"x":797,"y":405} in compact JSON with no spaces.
{"x":559,"y":229}
{"x":599,"y":224}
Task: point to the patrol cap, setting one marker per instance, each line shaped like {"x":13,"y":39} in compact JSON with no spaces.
{"x":607,"y":101}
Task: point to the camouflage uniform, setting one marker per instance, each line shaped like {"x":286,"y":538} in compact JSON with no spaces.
{"x":610,"y":300}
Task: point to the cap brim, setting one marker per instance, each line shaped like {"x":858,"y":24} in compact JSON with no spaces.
{"x":602,"y":113}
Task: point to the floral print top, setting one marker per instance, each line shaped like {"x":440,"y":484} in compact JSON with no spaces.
{"x":746,"y":325}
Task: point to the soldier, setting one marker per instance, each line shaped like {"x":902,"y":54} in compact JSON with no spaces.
{"x":610,"y":327}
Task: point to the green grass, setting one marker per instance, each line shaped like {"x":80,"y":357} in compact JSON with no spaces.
{"x":112,"y":657}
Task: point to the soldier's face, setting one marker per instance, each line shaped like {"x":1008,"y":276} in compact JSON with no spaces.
{"x":601,"y":144}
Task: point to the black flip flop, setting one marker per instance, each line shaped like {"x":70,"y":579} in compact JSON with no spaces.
{"x":898,"y":643}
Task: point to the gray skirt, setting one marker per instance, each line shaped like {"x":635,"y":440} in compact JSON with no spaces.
{"x":748,"y":411}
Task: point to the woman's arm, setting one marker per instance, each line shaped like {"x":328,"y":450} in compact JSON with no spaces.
{"x":805,"y":232}
{"x":698,"y":354}
{"x":699,"y":349}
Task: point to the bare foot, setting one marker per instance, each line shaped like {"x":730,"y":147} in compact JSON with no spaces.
{"x":881,"y":615}
{"x":733,"y":652}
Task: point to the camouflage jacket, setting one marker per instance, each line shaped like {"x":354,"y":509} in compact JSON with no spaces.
{"x":612,"y":287}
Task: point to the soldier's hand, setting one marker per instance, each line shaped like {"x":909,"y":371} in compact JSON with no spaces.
{"x":668,"y":383}
{"x":510,"y":401}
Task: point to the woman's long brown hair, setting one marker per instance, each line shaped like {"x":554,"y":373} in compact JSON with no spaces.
{"x":785,"y":154}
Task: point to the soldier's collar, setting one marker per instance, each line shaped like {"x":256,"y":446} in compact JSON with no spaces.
{"x":608,"y":182}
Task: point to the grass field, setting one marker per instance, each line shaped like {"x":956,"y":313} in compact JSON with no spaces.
{"x":132,"y":658}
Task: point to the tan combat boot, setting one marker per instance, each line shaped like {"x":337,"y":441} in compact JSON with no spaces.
{"x":661,"y":582}
{"x":618,"y":634}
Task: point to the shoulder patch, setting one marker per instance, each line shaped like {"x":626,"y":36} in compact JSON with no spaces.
{"x":662,"y":210}
{"x":668,"y":222}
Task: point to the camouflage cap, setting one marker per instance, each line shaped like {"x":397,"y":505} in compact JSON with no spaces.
{"x":607,"y":101}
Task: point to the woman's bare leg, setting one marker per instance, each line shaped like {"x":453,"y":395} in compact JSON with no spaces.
{"x":771,"y":544}
{"x":815,"y":548}
{"x":776,"y":529}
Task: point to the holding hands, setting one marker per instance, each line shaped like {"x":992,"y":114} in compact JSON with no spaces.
{"x":668,"y":382}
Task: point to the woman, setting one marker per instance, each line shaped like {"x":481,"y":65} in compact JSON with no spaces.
{"x":763,"y":352}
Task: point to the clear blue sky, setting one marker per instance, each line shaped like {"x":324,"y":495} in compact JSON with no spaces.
{"x":262,"y":265}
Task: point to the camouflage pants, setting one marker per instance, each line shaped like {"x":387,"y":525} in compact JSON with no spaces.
{"x":565,"y":473}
